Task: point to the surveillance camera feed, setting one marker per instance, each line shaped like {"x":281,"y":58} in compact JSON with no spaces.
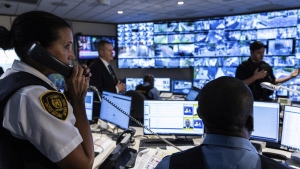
{"x":213,"y":47}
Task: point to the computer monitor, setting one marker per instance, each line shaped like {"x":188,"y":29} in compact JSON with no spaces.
{"x":162,"y":84}
{"x":266,"y":121}
{"x":290,"y":130}
{"x":192,"y":95}
{"x":181,"y":86}
{"x":109,"y":111}
{"x":171,"y":117}
{"x":89,"y":101}
{"x":131,"y":83}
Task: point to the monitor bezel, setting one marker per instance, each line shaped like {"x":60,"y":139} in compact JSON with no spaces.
{"x":266,"y":139}
{"x":121,"y":97}
{"x":283,"y":126}
{"x":111,"y":39}
{"x":195,"y":106}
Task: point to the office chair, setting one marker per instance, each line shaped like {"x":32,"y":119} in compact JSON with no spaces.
{"x":137,"y":105}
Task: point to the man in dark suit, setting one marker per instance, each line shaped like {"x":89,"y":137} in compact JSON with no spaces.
{"x":103,"y":76}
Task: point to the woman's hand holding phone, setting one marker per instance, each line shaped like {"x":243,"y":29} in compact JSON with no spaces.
{"x":86,"y":72}
{"x":78,"y":83}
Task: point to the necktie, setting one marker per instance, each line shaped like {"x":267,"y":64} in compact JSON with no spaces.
{"x":111,"y":71}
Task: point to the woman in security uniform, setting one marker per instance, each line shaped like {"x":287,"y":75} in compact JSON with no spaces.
{"x":41,"y":127}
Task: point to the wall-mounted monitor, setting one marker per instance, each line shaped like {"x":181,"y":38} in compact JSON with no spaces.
{"x":284,"y":61}
{"x":281,"y":46}
{"x":233,"y":22}
{"x":287,"y":17}
{"x":87,"y":45}
{"x":172,"y":118}
{"x":135,"y":40}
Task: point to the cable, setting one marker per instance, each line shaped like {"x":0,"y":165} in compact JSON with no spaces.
{"x":139,"y":123}
{"x":94,"y":89}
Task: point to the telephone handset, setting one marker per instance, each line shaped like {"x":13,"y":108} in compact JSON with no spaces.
{"x":139,"y":123}
{"x":130,"y":131}
{"x":41,"y":55}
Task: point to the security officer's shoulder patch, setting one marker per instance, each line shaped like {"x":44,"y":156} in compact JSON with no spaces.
{"x":55,"y":103}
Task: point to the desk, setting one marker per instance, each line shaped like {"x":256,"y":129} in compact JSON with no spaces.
{"x":197,"y":140}
{"x":100,"y":158}
{"x":289,"y":161}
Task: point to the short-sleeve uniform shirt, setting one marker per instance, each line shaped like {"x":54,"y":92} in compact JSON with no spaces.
{"x":28,"y":116}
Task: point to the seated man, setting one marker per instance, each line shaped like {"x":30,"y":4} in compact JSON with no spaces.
{"x":148,"y":89}
{"x":226,"y":108}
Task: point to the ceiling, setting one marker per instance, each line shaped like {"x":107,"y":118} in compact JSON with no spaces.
{"x":105,"y":11}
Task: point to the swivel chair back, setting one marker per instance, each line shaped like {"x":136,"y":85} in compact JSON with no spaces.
{"x":137,"y":105}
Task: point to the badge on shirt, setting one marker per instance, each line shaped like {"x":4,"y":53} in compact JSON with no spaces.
{"x":56,"y":104}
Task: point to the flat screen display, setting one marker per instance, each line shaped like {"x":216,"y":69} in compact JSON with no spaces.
{"x":281,"y":47}
{"x":109,"y":111}
{"x":290,"y":130}
{"x":89,"y":102}
{"x":180,"y":43}
{"x":172,"y":118}
{"x":162,"y":84}
{"x":181,"y":86}
{"x":192,"y":95}
{"x":266,"y":121}
{"x":87,"y":45}
{"x":131,"y":83}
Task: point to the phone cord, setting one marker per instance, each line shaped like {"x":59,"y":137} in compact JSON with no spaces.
{"x":139,"y":123}
{"x":94,"y":89}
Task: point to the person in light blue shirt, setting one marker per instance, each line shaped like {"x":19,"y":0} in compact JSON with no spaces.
{"x":226,"y":108}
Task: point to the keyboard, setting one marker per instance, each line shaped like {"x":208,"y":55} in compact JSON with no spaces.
{"x":153,"y":143}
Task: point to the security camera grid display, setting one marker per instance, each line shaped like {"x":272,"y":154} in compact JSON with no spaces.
{"x":135,"y":40}
{"x":213,"y":46}
{"x":281,"y":47}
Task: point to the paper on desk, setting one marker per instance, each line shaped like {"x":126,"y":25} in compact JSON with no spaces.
{"x":149,"y":158}
{"x":100,"y":143}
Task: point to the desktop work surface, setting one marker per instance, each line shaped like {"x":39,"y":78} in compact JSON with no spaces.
{"x":161,"y":152}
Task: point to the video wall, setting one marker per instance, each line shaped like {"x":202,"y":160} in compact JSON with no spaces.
{"x":221,"y":41}
{"x":214,"y":47}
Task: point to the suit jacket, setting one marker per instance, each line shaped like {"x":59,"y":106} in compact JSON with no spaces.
{"x":185,"y":127}
{"x":101,"y":77}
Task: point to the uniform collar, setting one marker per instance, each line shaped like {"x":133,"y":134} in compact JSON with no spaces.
{"x":228,"y":141}
{"x":19,"y":66}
